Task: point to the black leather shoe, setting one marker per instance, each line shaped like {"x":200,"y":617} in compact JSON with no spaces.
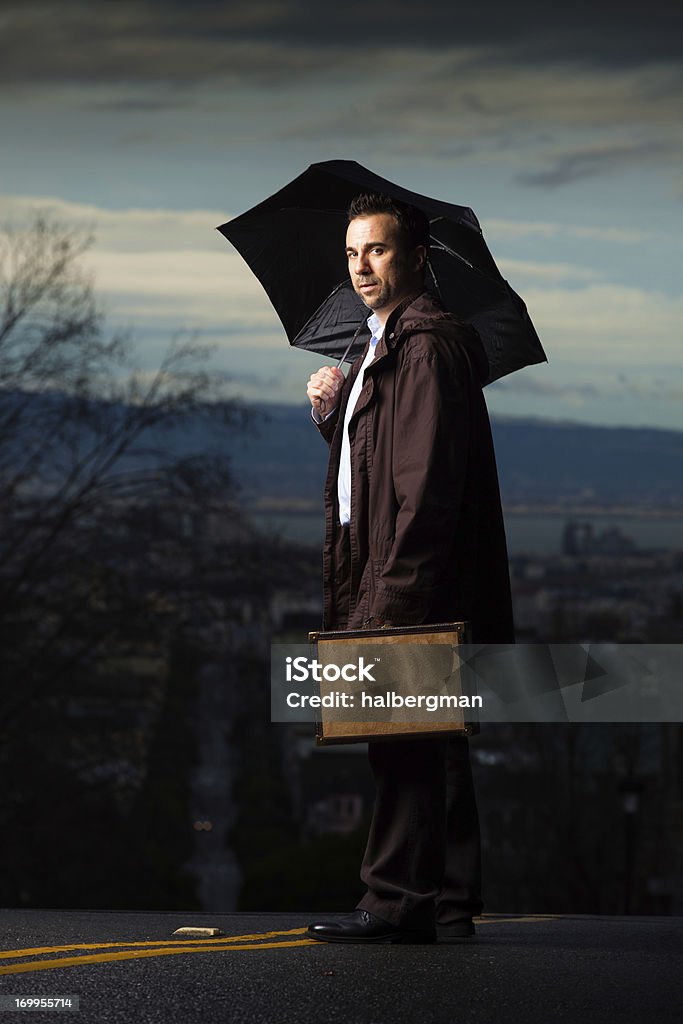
{"x":361,"y":926}
{"x":462,"y":929}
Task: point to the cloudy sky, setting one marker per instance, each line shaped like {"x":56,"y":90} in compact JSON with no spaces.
{"x":155,"y":122}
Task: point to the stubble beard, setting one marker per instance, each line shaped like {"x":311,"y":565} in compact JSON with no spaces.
{"x":377,"y":301}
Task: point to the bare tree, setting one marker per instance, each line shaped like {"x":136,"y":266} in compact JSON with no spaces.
{"x":123,"y":557}
{"x":83,"y":464}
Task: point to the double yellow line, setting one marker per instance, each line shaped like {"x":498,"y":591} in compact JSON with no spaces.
{"x":178,"y":947}
{"x":141,"y":950}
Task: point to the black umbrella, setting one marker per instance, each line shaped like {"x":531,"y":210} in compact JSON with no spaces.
{"x":294,"y":243}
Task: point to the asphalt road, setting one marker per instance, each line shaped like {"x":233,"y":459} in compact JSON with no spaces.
{"x":265,"y":971}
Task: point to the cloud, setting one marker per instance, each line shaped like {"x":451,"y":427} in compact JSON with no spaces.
{"x":603,"y":324}
{"x":164,"y":266}
{"x":601,"y":158}
{"x":148,"y":40}
{"x":458,"y":104}
{"x":580,"y":320}
{"x":513,"y":229}
{"x":136,"y":104}
{"x":128,"y":230}
{"x":647,"y":387}
{"x":590,"y":394}
{"x":177,"y":276}
{"x":530,"y":270}
{"x":465,"y":83}
{"x":172,"y":268}
{"x":197,"y":290}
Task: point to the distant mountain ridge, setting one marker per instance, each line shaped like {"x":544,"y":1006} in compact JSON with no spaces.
{"x":538,"y":460}
{"x":281,"y":457}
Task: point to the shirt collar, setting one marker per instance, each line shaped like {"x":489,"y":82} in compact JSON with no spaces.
{"x":376,"y":328}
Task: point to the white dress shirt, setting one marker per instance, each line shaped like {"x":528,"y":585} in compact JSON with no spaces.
{"x":344,"y":477}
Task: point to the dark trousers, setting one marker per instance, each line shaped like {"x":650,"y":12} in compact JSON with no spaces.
{"x":423,"y":856}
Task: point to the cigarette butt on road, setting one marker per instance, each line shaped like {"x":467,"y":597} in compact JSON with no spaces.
{"x":198,"y":933}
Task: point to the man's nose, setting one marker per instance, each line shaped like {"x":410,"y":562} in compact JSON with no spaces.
{"x":362,"y":266}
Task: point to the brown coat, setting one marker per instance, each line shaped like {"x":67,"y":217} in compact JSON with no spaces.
{"x":426,"y":541}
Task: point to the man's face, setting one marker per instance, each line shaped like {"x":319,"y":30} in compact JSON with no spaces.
{"x":383,"y":271}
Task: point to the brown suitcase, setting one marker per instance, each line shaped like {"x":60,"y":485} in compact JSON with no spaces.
{"x":417,"y":672}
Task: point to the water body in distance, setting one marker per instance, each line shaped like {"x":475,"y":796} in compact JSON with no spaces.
{"x":540,"y":534}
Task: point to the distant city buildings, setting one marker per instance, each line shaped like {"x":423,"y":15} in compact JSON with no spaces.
{"x":600,"y":587}
{"x":580,"y":538}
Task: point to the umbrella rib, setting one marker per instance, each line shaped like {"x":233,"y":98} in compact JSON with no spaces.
{"x":317,"y":310}
{"x":313,"y":316}
{"x":431,"y":271}
{"x":442,"y":247}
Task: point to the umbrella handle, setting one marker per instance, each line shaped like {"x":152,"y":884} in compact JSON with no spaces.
{"x":350,"y":344}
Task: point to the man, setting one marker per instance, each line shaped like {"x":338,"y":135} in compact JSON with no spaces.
{"x":414,"y":534}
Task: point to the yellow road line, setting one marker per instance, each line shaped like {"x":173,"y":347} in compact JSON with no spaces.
{"x":525,"y":917}
{"x":224,"y":940}
{"x":100,"y":958}
{"x":174,"y":947}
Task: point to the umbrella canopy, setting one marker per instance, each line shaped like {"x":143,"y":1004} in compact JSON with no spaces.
{"x":294,"y":244}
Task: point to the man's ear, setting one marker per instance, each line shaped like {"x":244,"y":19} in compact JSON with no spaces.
{"x":420,"y":256}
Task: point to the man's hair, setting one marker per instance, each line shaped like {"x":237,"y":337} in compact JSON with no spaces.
{"x":414,"y":224}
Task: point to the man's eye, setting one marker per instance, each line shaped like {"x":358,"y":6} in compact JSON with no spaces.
{"x":378,"y":250}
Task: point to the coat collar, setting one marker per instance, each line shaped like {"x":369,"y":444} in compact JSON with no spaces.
{"x":413,"y":309}
{"x":423,"y":311}
{"x":416,"y":308}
